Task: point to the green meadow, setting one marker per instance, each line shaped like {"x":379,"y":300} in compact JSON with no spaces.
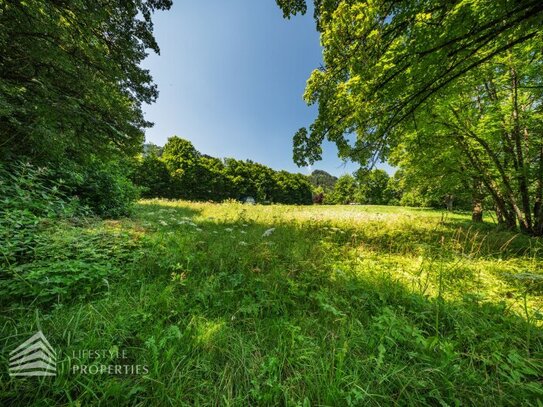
{"x":237,"y":305}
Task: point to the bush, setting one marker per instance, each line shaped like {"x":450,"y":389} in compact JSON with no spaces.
{"x":106,"y":189}
{"x":27,"y":196}
{"x":43,"y":253}
{"x":67,"y":262}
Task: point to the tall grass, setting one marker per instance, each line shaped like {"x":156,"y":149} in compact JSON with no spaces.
{"x":334,"y":306}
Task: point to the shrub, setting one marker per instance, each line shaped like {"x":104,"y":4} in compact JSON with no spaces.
{"x":27,"y":196}
{"x":106,"y":189}
{"x":43,"y":253}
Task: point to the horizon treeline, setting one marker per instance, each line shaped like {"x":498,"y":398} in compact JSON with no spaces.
{"x":179,"y":171}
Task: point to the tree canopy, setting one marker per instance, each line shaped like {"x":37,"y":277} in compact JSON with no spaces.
{"x":181,"y":171}
{"x":70,"y":76}
{"x":383,"y":60}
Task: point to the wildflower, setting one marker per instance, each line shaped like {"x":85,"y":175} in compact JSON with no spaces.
{"x":163,"y":223}
{"x":228,"y":229}
{"x":198,"y":229}
{"x":242,"y":243}
{"x":242,"y":231}
{"x":268,"y":232}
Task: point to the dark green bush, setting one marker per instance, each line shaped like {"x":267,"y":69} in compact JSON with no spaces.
{"x":106,"y":189}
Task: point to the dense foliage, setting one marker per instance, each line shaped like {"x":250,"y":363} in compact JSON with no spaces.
{"x":373,"y":187}
{"x":70,"y":78}
{"x":321,"y":179}
{"x":48,"y":251}
{"x":180,"y":171}
{"x":71,"y":92}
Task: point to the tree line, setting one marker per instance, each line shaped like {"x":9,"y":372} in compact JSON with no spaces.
{"x":377,"y":187}
{"x":179,"y":171}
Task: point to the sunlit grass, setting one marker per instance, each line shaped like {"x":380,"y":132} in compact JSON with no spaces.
{"x":231,"y":304}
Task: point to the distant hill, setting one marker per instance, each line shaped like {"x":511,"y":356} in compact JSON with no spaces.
{"x":320,"y":178}
{"x":150,"y":148}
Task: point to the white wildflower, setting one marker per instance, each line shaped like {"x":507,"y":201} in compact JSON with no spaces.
{"x":268,"y":232}
{"x":242,"y":243}
{"x":163,"y":223}
{"x":228,"y":229}
{"x":242,"y":231}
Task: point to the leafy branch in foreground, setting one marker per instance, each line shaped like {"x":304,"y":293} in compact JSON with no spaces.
{"x":384,"y":59}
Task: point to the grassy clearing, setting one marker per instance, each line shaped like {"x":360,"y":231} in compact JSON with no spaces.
{"x":343,"y":305}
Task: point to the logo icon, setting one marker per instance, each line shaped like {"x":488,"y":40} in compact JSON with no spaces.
{"x":35,"y":357}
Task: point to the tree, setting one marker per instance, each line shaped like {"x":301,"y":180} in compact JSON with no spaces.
{"x":383,"y":59}
{"x":320,"y":178}
{"x":373,"y":185}
{"x":435,"y":172}
{"x":152,"y":175}
{"x":345,"y":191}
{"x":213,"y":184}
{"x":292,"y":189}
{"x":494,"y":119}
{"x":182,"y":159}
{"x":152,"y":149}
{"x":469,"y":71}
{"x":395,"y":190}
{"x":242,"y":179}
{"x":70,"y":77}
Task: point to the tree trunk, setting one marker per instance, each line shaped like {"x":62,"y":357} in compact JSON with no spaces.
{"x":525,"y":217}
{"x":477,"y":202}
{"x":538,"y":206}
{"x":449,"y":202}
{"x":477,"y":211}
{"x":499,"y":215}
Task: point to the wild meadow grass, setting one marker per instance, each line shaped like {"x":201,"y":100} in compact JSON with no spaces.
{"x":230,"y":304}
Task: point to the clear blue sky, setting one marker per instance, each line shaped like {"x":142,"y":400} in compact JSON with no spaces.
{"x":231,"y":75}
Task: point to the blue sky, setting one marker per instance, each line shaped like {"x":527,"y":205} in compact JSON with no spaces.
{"x":231,"y":75}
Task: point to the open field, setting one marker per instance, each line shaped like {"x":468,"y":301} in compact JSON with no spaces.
{"x":230,"y":304}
